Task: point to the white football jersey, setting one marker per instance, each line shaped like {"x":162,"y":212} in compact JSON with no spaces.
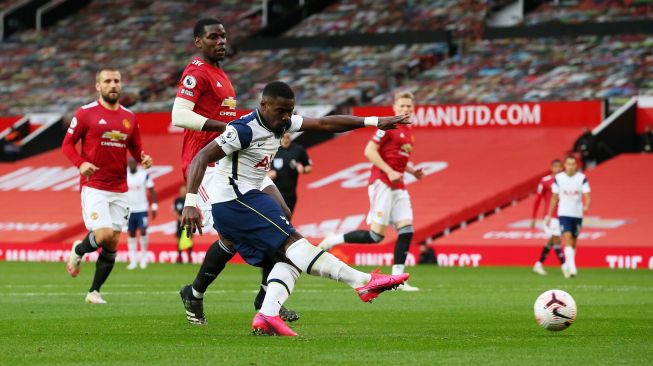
{"x":570,"y":193}
{"x":250,"y":147}
{"x":138,"y":184}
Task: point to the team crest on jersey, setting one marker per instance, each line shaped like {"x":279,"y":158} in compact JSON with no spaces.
{"x":94,"y":216}
{"x":380,"y":133}
{"x":114,"y":135}
{"x":189,"y":82}
{"x":126,"y":123}
{"x":229,"y":102}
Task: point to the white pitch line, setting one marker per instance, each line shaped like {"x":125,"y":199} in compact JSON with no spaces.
{"x":130,"y":293}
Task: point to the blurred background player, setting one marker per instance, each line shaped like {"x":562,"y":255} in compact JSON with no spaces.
{"x":139,"y":183}
{"x":389,"y":151}
{"x":184,"y":240}
{"x":205,"y":102}
{"x":290,"y":161}
{"x":107,"y":130}
{"x":552,"y":230}
{"x":569,"y":189}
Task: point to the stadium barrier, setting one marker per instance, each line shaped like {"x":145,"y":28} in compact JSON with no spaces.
{"x":558,"y":30}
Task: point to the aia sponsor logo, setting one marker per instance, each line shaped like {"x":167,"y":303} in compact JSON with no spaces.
{"x":569,"y":192}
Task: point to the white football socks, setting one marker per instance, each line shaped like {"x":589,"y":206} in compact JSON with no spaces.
{"x":316,"y":262}
{"x":131,"y":245}
{"x":397,"y":269}
{"x":570,"y":257}
{"x":281,"y":282}
{"x":144,"y":239}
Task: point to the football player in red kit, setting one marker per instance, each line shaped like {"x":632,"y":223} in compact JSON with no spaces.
{"x":552,"y":229}
{"x":389,"y":152}
{"x":107,"y":131}
{"x":205,"y":103}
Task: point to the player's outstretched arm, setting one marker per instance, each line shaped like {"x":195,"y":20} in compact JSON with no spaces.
{"x":183,"y":116}
{"x":347,"y":123}
{"x":190,"y":217}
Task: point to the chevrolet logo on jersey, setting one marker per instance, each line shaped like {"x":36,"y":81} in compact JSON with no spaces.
{"x":229,"y":102}
{"x":115,"y":135}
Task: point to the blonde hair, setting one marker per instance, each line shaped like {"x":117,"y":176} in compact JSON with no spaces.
{"x":404,"y":94}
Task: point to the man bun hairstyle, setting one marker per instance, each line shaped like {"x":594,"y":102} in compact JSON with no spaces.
{"x":198,"y":30}
{"x":277,"y":89}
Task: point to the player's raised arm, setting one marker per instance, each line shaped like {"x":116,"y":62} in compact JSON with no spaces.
{"x":190,"y":217}
{"x":183,"y":116}
{"x":346,"y":123}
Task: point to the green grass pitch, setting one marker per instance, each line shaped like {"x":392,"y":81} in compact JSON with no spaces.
{"x":463,"y":316}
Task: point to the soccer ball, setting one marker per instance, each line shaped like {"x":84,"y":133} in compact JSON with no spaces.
{"x":555,"y":310}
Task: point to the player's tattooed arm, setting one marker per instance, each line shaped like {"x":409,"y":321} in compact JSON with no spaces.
{"x":347,"y":123}
{"x":190,"y":217}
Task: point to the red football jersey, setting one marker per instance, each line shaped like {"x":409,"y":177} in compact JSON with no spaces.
{"x":544,"y":193}
{"x":210,"y":89}
{"x":106,"y":136}
{"x":395,"y":147}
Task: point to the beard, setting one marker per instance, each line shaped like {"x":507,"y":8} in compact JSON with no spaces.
{"x":109,"y":98}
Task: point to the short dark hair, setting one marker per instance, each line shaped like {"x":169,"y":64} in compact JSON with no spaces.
{"x":556,"y":160}
{"x":278,"y":89}
{"x":199,"y":30}
{"x":571,"y":157}
{"x":104,"y":68}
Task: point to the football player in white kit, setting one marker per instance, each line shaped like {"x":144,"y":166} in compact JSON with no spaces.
{"x":254,"y":222}
{"x":139,"y":183}
{"x":569,"y":189}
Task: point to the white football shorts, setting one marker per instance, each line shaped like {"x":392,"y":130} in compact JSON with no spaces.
{"x":104,"y":209}
{"x":553,"y":229}
{"x":388,"y":206}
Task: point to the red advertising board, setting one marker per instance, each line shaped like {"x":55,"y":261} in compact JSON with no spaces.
{"x":644,"y":112}
{"x":527,"y":114}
